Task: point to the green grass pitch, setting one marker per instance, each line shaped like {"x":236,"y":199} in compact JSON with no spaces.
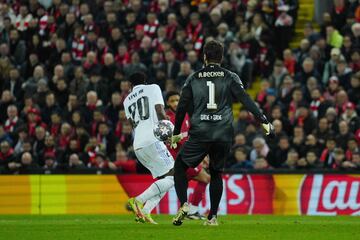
{"x":231,"y":227}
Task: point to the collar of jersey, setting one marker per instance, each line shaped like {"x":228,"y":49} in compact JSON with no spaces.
{"x":213,"y":64}
{"x":138,"y":86}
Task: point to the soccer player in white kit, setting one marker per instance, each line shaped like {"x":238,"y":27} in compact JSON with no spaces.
{"x":144,"y":107}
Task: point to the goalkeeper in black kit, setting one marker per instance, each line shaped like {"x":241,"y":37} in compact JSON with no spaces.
{"x":207,"y":97}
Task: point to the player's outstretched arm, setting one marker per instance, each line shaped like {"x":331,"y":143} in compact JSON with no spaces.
{"x":240,"y":94}
{"x":160,"y":112}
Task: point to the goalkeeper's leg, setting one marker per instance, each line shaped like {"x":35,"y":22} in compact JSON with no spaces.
{"x":216,"y":189}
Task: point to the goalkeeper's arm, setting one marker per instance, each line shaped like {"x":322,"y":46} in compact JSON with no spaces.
{"x":241,"y":95}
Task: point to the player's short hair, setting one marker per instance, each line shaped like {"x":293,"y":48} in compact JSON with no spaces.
{"x":170,"y":94}
{"x":213,"y":50}
{"x":137,"y":78}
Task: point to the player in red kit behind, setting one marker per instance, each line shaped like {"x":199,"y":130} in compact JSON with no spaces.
{"x":197,"y":174}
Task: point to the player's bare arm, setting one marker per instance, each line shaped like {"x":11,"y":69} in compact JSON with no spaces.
{"x":160,"y":112}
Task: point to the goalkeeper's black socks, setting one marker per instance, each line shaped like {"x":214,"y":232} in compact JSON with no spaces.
{"x":216,"y":189}
{"x":181,"y":182}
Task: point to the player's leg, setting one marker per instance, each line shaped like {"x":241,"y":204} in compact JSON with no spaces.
{"x":216,"y":188}
{"x":181,"y":182}
{"x":203,"y":178}
{"x":218,"y":154}
{"x":190,"y":155}
{"x":158,"y":187}
{"x":158,"y":160}
{"x":152,"y":203}
{"x":149,"y":206}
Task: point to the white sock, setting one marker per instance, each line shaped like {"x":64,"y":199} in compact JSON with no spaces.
{"x":193,"y":209}
{"x":152,"y":203}
{"x":158,"y":187}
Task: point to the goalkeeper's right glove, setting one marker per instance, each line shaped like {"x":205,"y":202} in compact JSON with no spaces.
{"x":174,"y":140}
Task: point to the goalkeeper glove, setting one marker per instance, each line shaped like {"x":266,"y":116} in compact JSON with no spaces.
{"x":268,"y":129}
{"x":174,"y":140}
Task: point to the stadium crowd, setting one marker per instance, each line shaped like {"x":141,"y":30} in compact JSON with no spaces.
{"x":64,"y":67}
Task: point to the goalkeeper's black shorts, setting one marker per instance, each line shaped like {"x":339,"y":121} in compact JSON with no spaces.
{"x":193,"y":152}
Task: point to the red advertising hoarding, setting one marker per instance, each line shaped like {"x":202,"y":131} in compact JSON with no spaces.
{"x":280,"y":194}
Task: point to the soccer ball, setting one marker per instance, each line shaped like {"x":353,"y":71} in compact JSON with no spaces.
{"x":163,"y":130}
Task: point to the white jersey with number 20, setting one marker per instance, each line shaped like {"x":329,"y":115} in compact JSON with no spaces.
{"x":140,"y":108}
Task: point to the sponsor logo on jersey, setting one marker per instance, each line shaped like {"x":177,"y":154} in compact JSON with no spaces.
{"x":211,"y":74}
{"x":207,"y":117}
{"x":330,"y":195}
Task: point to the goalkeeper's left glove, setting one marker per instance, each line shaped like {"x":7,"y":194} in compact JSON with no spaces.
{"x":268,"y":129}
{"x":174,"y":140}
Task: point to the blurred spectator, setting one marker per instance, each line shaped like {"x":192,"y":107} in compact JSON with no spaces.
{"x":352,"y":147}
{"x":333,"y":37}
{"x":327,"y":156}
{"x":7,"y":157}
{"x":278,"y":154}
{"x":278,"y":74}
{"x":240,"y":141}
{"x":260,"y":163}
{"x":292,"y":159}
{"x":100,"y":161}
{"x":260,"y":149}
{"x":13,"y":121}
{"x":123,"y":162}
{"x":50,"y":162}
{"x":241,"y":160}
{"x":339,"y":159}
{"x":354,"y":91}
{"x":75,"y":162}
{"x":350,"y":117}
{"x":184,"y":73}
{"x":344,"y":135}
{"x":298,"y":138}
{"x":27,"y":164}
{"x":22,"y":136}
{"x":310,"y":161}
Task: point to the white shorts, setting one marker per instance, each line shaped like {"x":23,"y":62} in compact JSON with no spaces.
{"x":156,"y":157}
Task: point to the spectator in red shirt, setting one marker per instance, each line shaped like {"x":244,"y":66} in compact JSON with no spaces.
{"x":33,"y":120}
{"x":55,"y":123}
{"x":289,"y":61}
{"x":123,"y":55}
{"x":65,"y":135}
{"x":151,"y":25}
{"x":172,"y":100}
{"x":297,"y":99}
{"x":123,"y":163}
{"x":101,"y":161}
{"x":172,"y":26}
{"x":134,"y":45}
{"x":194,"y":31}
